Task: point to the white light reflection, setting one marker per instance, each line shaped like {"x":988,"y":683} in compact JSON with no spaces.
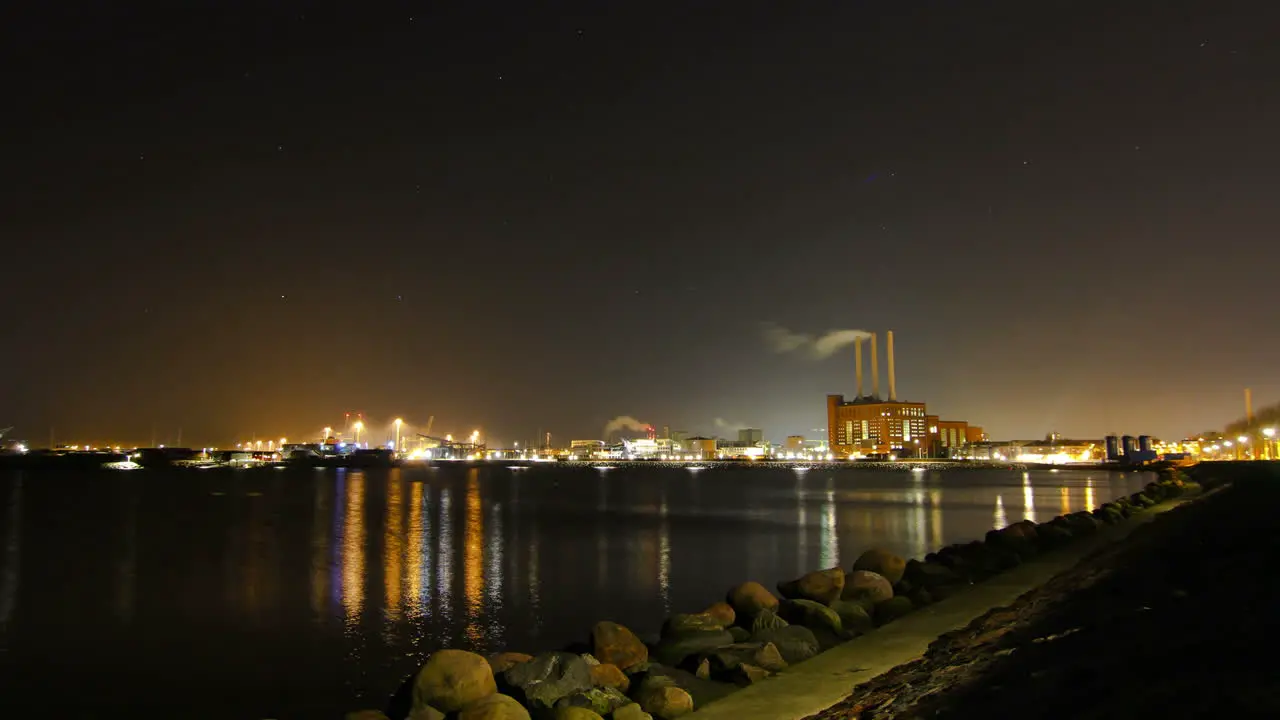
{"x":1000,"y":520}
{"x":802,"y":547}
{"x":830,"y":538}
{"x":1028,"y":498}
{"x":1089,"y":503}
{"x":444,"y":564}
{"x":602,"y":536}
{"x":935,"y":518}
{"x":664,"y":555}
{"x":916,"y":531}
{"x":493,"y":577}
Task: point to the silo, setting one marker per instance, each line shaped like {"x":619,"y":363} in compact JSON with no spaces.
{"x":1113,"y":448}
{"x":1128,"y":445}
{"x":1144,"y":443}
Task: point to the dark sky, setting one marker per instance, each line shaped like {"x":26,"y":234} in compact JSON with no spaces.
{"x":242,"y":218}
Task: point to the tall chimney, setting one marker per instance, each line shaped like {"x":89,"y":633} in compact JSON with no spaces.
{"x":857,"y":364}
{"x":875,"y":368}
{"x":888,"y":346}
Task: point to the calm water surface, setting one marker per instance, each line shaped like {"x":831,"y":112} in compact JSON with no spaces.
{"x":302,"y":594}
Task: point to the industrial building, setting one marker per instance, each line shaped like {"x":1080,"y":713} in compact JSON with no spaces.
{"x":870,"y":426}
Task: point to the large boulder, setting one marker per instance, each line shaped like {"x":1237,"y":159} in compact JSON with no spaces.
{"x":504,"y":661}
{"x":601,"y":701}
{"x":366,"y":715}
{"x":821,"y":586}
{"x":749,"y":598}
{"x":547,"y":678}
{"x":723,"y":613}
{"x":892,"y":609}
{"x":682,"y":623}
{"x":747,"y":674}
{"x":610,"y":675}
{"x":867,"y":587}
{"x":631,"y":712}
{"x":452,"y":679}
{"x":796,"y":643}
{"x":854,"y":617}
{"x":615,"y":644}
{"x":494,"y":707}
{"x":812,"y":615}
{"x":767,"y":620}
{"x":662,"y":698}
{"x":426,"y":712}
{"x":929,"y":574}
{"x":673,"y":650}
{"x":882,"y":562}
{"x":764,"y":655}
{"x":740,"y":634}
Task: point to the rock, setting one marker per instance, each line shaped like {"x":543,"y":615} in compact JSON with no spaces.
{"x":661,"y":698}
{"x":702,"y":691}
{"x":767,"y":620}
{"x":548,"y":677}
{"x":673,"y":650}
{"x":452,"y":679}
{"x":494,"y":707}
{"x":866,"y":585}
{"x":749,"y":598}
{"x":761,"y":654}
{"x":682,"y":623}
{"x":853,"y":616}
{"x":504,"y":661}
{"x":601,"y":701}
{"x":821,"y":586}
{"x":722,"y":612}
{"x":795,"y":643}
{"x":892,"y":609}
{"x":426,"y":712}
{"x":812,"y":615}
{"x":616,"y":645}
{"x":366,"y":715}
{"x":883,"y":562}
{"x":920,"y":597}
{"x":1053,"y":535}
{"x":632,"y":711}
{"x":739,"y":634}
{"x":575,"y":712}
{"x":589,"y":659}
{"x":609,"y":675}
{"x":768,"y":658}
{"x":704,"y":670}
{"x":746,"y":674}
{"x":928,"y":574}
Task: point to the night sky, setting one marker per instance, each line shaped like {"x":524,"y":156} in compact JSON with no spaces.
{"x":238,"y":218}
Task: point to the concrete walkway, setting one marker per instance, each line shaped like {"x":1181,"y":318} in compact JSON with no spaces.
{"x":820,"y":682}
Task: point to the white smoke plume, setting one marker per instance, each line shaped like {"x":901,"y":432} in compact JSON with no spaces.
{"x":782,"y":340}
{"x":624,"y":422}
{"x":722,"y":424}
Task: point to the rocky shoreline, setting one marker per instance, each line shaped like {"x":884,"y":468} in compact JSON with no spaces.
{"x":744,"y":639}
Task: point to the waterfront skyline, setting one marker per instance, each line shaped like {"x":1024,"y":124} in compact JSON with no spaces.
{"x":250,"y":220}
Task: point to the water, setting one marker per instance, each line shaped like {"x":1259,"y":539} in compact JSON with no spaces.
{"x":306,"y":593}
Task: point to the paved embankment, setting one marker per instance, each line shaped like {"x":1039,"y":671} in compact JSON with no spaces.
{"x":1178,"y":620}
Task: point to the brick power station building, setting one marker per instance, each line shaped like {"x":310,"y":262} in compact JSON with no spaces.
{"x":869,"y":425}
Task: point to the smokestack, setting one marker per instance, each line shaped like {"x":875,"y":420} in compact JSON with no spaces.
{"x":893,"y":386}
{"x":1248,"y":405}
{"x":857,"y":363}
{"x":875,"y":368}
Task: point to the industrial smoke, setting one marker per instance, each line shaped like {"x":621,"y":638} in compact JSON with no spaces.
{"x":624,"y":422}
{"x":782,"y":340}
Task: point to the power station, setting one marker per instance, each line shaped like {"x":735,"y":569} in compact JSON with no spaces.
{"x":870,"y":426}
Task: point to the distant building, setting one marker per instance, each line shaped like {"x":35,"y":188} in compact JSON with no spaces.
{"x":701,"y":447}
{"x":868,"y":426}
{"x":752,"y":436}
{"x":794,"y":443}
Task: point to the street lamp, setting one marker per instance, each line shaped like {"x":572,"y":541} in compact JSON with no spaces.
{"x":328,"y":433}
{"x":399,"y":422}
{"x":358,"y":426}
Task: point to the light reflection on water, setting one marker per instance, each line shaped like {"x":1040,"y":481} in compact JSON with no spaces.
{"x":343,"y":580}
